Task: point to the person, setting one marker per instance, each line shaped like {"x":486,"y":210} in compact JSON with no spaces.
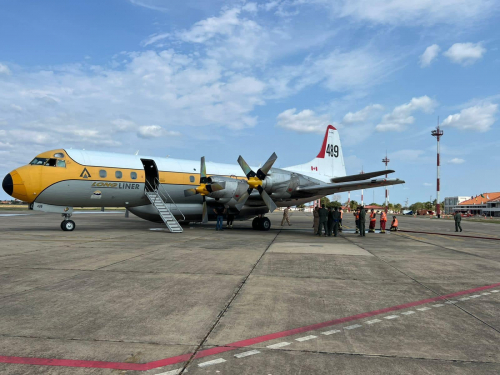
{"x":336,"y":221}
{"x":383,"y":221}
{"x":219,"y":211}
{"x":330,"y":221}
{"x":394,"y":224}
{"x":362,"y":217}
{"x":458,"y":220}
{"x":341,"y":217}
{"x":230,"y":218}
{"x":323,"y":220}
{"x":316,"y":220}
{"x":373,"y":221}
{"x":285,"y":216}
{"x":356,"y":215}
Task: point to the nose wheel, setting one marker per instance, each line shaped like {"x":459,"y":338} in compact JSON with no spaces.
{"x":67,"y":225}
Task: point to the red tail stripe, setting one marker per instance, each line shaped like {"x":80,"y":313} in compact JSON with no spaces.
{"x":321,"y":154}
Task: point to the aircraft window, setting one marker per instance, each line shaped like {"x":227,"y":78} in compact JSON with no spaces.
{"x":102,"y":173}
{"x":51,"y":163}
{"x":133,"y":175}
{"x":118,"y":174}
{"x":191,"y":178}
{"x":38,"y":161}
{"x":59,"y":155}
{"x":61,"y":163}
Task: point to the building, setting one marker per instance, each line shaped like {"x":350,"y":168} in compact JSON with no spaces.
{"x":451,"y":202}
{"x":485,"y":204}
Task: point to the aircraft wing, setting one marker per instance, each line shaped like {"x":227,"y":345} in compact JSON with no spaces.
{"x":361,"y":176}
{"x":329,"y":189}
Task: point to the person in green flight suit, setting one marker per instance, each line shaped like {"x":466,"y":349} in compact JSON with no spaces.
{"x":336,"y":221}
{"x":362,"y":217}
{"x":323,"y":220}
{"x":458,"y":220}
{"x":330,"y":221}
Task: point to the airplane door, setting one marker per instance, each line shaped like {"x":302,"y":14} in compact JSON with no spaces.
{"x":151,"y":174}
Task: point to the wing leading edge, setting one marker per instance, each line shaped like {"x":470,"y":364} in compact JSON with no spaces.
{"x":329,"y":189}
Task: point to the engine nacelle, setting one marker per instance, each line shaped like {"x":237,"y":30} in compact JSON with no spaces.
{"x":233,"y":190}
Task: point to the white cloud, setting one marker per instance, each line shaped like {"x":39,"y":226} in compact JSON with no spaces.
{"x":465,"y":53}
{"x":4,"y":69}
{"x":478,"y":118}
{"x":429,"y":55}
{"x":414,"y":12}
{"x":400,"y":117}
{"x":305,"y":121}
{"x":427,"y":184}
{"x":150,"y":4}
{"x":362,"y":115}
{"x":155,"y":131}
{"x":456,"y":161}
{"x":154,"y":38}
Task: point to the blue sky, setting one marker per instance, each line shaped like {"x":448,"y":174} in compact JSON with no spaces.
{"x":224,"y":78}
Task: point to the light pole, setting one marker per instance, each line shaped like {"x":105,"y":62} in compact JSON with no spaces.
{"x":438,"y":133}
{"x":386,"y":161}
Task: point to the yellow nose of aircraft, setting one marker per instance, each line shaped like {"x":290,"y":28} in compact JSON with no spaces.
{"x":14,"y":185}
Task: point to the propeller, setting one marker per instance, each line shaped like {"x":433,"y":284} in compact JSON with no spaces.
{"x":255,"y":181}
{"x":205,"y":188}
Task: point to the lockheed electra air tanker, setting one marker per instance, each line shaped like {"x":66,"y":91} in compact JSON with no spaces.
{"x":58,"y":180}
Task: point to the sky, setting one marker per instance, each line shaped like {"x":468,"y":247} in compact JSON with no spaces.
{"x":223,"y":78}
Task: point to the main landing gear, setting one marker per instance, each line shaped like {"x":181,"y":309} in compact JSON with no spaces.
{"x":67,"y":225}
{"x":261,"y":223}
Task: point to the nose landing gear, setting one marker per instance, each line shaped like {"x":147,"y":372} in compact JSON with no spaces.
{"x":261,"y":223}
{"x":67,"y":225}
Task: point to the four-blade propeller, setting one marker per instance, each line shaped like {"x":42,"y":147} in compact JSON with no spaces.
{"x":206,"y":187}
{"x":255,"y":181}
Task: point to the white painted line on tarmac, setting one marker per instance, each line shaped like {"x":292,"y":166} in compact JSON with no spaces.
{"x":485,"y":294}
{"x":305,"y":338}
{"x":439,"y":305}
{"x":475,"y":296}
{"x":495,"y":291}
{"x":373,"y":321}
{"x":278,"y":345}
{"x":391,"y":317}
{"x":464,"y":299}
{"x":408,"y":312}
{"x":354,"y":326}
{"x":330,"y":332}
{"x":171,"y":372}
{"x":424,"y":309}
{"x":212,"y":362}
{"x":448,"y":302}
{"x":246,"y":354}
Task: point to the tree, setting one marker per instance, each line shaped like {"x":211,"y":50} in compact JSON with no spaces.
{"x":353,"y":205}
{"x":301,"y":206}
{"x":397,"y":207}
{"x":325,"y":201}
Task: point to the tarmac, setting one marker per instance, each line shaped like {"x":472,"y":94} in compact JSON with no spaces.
{"x":123,"y":296}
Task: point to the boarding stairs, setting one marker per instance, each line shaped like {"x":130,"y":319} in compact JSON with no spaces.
{"x":156,"y":197}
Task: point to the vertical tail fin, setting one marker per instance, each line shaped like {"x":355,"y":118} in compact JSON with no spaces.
{"x":330,"y":161}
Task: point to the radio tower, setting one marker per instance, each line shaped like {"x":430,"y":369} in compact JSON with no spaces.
{"x":438,"y":133}
{"x":386,"y":161}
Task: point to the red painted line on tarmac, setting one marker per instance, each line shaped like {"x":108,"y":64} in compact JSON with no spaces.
{"x":227,"y":347}
{"x":451,"y":235}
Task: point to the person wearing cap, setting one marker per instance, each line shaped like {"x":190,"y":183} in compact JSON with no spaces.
{"x":394,"y":224}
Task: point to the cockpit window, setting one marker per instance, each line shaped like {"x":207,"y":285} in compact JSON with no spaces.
{"x":51,"y":163}
{"x":59,"y":155}
{"x":61,"y":163}
{"x":38,"y":161}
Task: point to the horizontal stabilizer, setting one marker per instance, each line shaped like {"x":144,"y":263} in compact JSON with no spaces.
{"x":360,"y":177}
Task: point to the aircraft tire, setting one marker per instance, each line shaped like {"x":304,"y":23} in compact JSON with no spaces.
{"x":265,"y":224}
{"x":256,"y":224}
{"x":68,"y":225}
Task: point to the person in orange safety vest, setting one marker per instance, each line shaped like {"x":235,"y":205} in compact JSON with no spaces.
{"x":383,"y":221}
{"x":373,"y":221}
{"x":356,"y":215}
{"x":394,"y":225}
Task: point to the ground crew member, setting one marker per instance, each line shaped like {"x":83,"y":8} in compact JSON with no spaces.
{"x":356,"y":215}
{"x":458,"y":220}
{"x":394,"y":224}
{"x":336,"y":221}
{"x":373,"y":221}
{"x":219,"y":210}
{"x":316,"y":220}
{"x":230,"y":219}
{"x":383,"y":221}
{"x":341,"y":217}
{"x":323,"y":220}
{"x":330,"y":221}
{"x":362,"y":217}
{"x":285,"y":216}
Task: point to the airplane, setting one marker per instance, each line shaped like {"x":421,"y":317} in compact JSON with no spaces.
{"x":58,"y":180}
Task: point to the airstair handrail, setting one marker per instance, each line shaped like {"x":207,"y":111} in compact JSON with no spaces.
{"x":161,"y":190}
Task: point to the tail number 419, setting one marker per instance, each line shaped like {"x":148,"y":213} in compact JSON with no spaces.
{"x":332,"y":150}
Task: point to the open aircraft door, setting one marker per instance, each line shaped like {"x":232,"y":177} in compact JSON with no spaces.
{"x":151,"y":174}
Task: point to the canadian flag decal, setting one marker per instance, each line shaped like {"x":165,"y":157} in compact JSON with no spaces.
{"x":314,"y":168}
